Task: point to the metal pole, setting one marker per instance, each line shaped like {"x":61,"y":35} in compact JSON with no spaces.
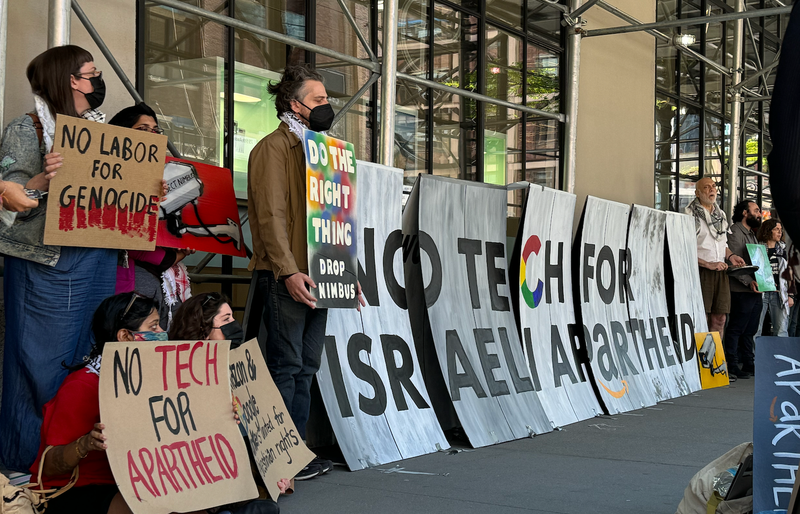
{"x":573,"y":18}
{"x":477,"y":96}
{"x":573,"y":55}
{"x":388,"y":82}
{"x":660,"y":35}
{"x":339,"y":115}
{"x":58,"y":19}
{"x":357,"y":30}
{"x":736,"y":112}
{"x":113,"y":62}
{"x":3,"y":55}
{"x":691,"y":22}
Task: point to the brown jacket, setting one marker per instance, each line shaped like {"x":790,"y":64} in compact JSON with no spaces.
{"x":276,"y":204}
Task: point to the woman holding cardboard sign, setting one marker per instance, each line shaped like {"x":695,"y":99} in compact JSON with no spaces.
{"x":72,"y":419}
{"x":50,"y":291}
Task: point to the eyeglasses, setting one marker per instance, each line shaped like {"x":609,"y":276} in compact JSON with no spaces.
{"x":211,"y":296}
{"x":91,"y":74}
{"x":154,"y":130}
{"x":130,"y":304}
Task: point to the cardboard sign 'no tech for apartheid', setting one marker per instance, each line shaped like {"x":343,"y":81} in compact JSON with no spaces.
{"x":173,"y":443}
{"x":278,"y":450}
{"x":106,"y":193}
{"x":331,"y":219}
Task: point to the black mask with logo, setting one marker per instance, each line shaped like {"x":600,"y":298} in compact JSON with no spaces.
{"x":96,"y":97}
{"x":321,"y":117}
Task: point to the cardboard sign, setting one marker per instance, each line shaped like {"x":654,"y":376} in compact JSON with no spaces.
{"x":278,"y":450}
{"x":173,"y":443}
{"x":370,"y":378}
{"x":684,"y":295}
{"x":542,"y":298}
{"x":200,"y":210}
{"x":758,"y":257}
{"x":712,"y":364}
{"x":776,"y":446}
{"x":602,"y":275}
{"x":106,"y":193}
{"x":460,"y":226}
{"x":331,"y":219}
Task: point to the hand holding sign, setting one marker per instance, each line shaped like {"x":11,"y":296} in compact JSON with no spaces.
{"x":167,"y":411}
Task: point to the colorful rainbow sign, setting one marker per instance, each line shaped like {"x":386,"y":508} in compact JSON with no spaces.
{"x":532,"y":297}
{"x":331,"y":219}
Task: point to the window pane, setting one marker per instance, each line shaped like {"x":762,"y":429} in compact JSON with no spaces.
{"x":505,"y":11}
{"x":543,"y":86}
{"x":504,"y":61}
{"x":454,"y":132}
{"x":410,"y":130}
{"x":455,"y":36}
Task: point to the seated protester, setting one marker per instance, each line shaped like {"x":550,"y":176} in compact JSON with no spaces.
{"x":72,"y":419}
{"x":158,"y":274}
{"x":209,"y":317}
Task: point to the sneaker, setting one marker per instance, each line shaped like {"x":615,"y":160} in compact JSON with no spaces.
{"x":308,"y":472}
{"x":749,"y":368}
{"x":324,"y":464}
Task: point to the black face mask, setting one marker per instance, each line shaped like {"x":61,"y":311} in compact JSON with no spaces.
{"x":233,"y":332}
{"x":96,"y":97}
{"x":321,"y":117}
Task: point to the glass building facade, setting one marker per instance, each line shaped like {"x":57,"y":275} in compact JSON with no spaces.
{"x":202,"y":77}
{"x":693,"y":103}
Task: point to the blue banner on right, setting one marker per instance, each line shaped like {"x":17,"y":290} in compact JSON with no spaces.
{"x":776,"y":422}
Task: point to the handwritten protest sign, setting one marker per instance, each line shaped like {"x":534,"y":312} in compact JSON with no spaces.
{"x":278,"y":450}
{"x":331,"y":219}
{"x":173,"y":443}
{"x":200,"y":210}
{"x":106,"y":193}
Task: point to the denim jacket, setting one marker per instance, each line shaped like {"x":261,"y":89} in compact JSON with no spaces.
{"x":21,"y":158}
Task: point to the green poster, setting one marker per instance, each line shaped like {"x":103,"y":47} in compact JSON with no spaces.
{"x":758,"y":257}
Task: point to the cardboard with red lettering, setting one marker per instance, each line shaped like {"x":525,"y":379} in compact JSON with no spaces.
{"x":173,"y":443}
{"x":200,"y":210}
{"x":106,"y":193}
{"x":278,"y":449}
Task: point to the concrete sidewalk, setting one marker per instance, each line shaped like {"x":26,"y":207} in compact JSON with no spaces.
{"x":632,"y":463}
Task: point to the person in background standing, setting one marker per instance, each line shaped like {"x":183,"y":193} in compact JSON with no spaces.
{"x":778,"y":302}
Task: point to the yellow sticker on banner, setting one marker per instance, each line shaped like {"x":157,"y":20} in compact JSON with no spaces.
{"x":711,"y":359}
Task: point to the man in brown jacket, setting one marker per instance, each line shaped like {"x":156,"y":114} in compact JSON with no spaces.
{"x":276,"y":191}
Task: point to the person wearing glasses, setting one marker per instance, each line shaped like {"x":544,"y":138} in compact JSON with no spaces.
{"x":50,"y":291}
{"x":159,"y":274}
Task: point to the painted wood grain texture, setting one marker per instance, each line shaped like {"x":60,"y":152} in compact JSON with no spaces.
{"x":473,"y":327}
{"x":612,"y":350}
{"x":370,"y":378}
{"x":659,"y":358}
{"x":546,"y":309}
{"x":689,"y":315}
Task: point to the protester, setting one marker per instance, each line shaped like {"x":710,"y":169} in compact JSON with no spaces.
{"x":158,"y":274}
{"x":779,"y":302}
{"x":72,"y":419}
{"x":746,"y":303}
{"x":794,"y":266}
{"x":50,"y":291}
{"x":277,"y":209}
{"x":209,"y":317}
{"x":713,"y":254}
{"x":13,"y":197}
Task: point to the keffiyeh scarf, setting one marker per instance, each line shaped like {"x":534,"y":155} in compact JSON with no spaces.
{"x":49,"y":123}
{"x":717,"y":224}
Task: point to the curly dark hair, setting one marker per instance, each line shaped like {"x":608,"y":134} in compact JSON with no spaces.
{"x":291,"y":85}
{"x":194,"y":319}
{"x":129,"y":116}
{"x":740,"y":209}
{"x":765,"y":231}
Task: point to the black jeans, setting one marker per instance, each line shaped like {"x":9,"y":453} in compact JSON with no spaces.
{"x":742,"y":326}
{"x":295,"y":335}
